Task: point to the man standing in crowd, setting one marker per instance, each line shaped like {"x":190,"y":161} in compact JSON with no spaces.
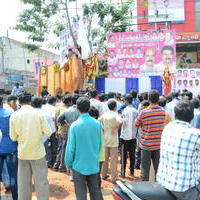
{"x":17,"y":90}
{"x":128,"y":135}
{"x":11,"y":103}
{"x":65,"y":120}
{"x":135,"y":102}
{"x":27,"y":127}
{"x":110,"y":121}
{"x":179,"y":169}
{"x":196,"y":104}
{"x":95,"y":102}
{"x":83,"y":158}
{"x":62,"y":134}
{"x":44,"y":92}
{"x":51,"y":143}
{"x":171,"y":105}
{"x":151,"y":121}
{"x":8,"y":150}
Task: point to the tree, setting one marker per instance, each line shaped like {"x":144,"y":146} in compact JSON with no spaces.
{"x":52,"y":16}
{"x":110,"y":17}
{"x":43,"y":17}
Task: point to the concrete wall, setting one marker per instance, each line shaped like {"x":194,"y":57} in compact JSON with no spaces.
{"x":16,"y":59}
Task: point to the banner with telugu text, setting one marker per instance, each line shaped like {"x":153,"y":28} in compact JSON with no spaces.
{"x":136,"y":54}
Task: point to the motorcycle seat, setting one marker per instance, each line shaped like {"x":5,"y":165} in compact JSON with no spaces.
{"x":150,"y":191}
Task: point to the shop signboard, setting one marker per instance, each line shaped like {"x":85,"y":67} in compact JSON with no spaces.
{"x":188,"y":37}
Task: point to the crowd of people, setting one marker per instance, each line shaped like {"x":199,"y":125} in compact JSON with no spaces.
{"x":85,"y":134}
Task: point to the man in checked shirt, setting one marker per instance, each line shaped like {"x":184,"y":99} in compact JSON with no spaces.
{"x":179,"y":166}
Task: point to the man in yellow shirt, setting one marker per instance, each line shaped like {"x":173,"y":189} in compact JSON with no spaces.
{"x":27,"y":127}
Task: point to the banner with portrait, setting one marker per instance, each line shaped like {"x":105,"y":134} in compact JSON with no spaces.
{"x":187,"y":79}
{"x":135,"y":54}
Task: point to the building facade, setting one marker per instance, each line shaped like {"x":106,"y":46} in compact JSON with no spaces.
{"x":186,"y":25}
{"x":18,"y":64}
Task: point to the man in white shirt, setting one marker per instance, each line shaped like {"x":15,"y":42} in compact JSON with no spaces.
{"x":110,"y":121}
{"x":49,"y":110}
{"x":95,"y":102}
{"x":171,"y":105}
{"x":128,"y":135}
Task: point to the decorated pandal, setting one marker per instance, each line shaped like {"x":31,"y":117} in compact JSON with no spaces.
{"x":73,"y":75}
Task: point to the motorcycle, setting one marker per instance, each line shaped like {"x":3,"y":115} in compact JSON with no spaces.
{"x":141,"y":191}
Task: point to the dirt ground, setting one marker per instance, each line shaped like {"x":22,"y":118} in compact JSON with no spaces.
{"x":61,"y":188}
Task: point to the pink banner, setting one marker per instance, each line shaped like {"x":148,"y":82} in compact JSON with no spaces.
{"x":135,"y":54}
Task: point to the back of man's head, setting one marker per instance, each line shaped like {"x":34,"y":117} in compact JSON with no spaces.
{"x":1,"y":101}
{"x":93,"y":93}
{"x":83,"y":104}
{"x":128,"y":98}
{"x":184,"y":111}
{"x":145,"y":96}
{"x":25,"y":98}
{"x":195,"y":102}
{"x":67,"y":99}
{"x":52,"y":100}
{"x":189,"y":95}
{"x":94,"y":112}
{"x":59,"y":97}
{"x":102,"y":97}
{"x":11,"y":98}
{"x":111,"y":95}
{"x":74,"y":98}
{"x":17,"y":85}
{"x":112,"y":104}
{"x":162,"y":101}
{"x":134,"y":93}
{"x":37,"y":102}
{"x":153,"y":96}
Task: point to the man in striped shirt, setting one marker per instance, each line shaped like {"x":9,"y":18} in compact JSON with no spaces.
{"x":151,"y":121}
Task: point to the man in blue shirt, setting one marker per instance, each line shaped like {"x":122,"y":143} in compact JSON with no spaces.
{"x":135,"y":102}
{"x":8,"y":150}
{"x":179,"y":170}
{"x":17,"y":90}
{"x":82,"y":152}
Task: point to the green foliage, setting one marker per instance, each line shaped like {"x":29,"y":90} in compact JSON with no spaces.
{"x":30,"y":47}
{"x":38,"y":20}
{"x":111,"y":18}
{"x":102,"y":74}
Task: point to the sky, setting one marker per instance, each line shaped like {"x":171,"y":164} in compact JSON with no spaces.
{"x":9,"y":11}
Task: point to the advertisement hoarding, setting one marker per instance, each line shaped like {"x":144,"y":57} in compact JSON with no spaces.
{"x":135,"y":54}
{"x":167,"y":10}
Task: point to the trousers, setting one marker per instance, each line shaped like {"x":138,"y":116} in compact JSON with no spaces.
{"x":81,"y":182}
{"x":38,"y":170}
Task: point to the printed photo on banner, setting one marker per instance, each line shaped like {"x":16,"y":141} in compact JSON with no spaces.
{"x":141,"y":53}
{"x":187,"y":79}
